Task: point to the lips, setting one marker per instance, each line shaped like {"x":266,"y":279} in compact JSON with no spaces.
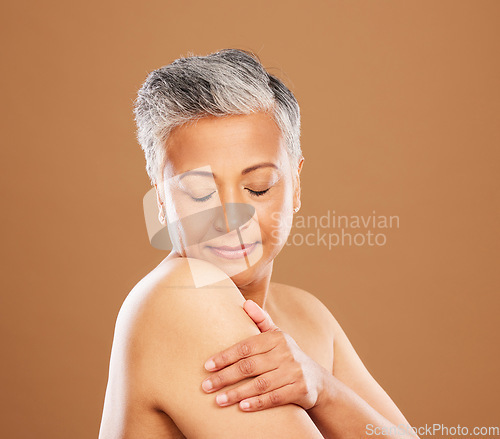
{"x":236,"y":252}
{"x":227,"y":248}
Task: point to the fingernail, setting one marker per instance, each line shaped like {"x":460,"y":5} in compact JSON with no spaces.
{"x":245,"y":405}
{"x":221,"y":399}
{"x":207,"y":385}
{"x":254,"y":304}
{"x":210,"y":364}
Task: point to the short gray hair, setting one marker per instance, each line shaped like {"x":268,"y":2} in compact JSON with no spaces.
{"x":227,"y":82}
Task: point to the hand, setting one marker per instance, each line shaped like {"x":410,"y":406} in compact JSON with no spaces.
{"x":284,"y":373}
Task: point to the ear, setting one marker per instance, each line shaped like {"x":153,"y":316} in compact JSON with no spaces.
{"x":296,"y":194}
{"x":161,"y":207}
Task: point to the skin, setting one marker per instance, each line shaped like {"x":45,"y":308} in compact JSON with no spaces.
{"x":298,"y":380}
{"x":335,"y":407}
{"x":286,"y":351}
{"x":165,"y":328}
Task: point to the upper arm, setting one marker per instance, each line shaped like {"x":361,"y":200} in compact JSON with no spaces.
{"x":174,"y":331}
{"x":348,"y":368}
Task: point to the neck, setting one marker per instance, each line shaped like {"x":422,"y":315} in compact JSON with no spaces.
{"x":258,"y":289}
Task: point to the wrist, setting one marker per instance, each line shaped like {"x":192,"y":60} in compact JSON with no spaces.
{"x":327,"y":393}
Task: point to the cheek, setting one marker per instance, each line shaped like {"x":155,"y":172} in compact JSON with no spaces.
{"x":275,"y":220}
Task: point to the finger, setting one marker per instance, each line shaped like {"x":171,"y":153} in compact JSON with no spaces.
{"x":256,"y":344}
{"x":244,"y":368}
{"x":260,"y":385}
{"x":283,"y":395}
{"x":259,"y":316}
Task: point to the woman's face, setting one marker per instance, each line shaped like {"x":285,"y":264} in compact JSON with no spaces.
{"x":230,"y":192}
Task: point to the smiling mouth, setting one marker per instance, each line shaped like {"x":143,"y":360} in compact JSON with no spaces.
{"x":236,"y":252}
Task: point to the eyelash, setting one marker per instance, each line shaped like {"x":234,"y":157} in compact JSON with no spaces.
{"x":258,"y":193}
{"x":201,"y":200}
{"x":253,"y":193}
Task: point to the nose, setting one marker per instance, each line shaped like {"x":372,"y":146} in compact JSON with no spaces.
{"x":234,"y":212}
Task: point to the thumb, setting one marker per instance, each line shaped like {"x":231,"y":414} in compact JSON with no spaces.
{"x":259,"y":316}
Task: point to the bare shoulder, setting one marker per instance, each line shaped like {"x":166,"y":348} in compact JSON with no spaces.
{"x":175,"y":296}
{"x":163,"y":305}
{"x":167,"y":330}
{"x":347,"y":366}
{"x":166,"y":284}
{"x":302,"y":304}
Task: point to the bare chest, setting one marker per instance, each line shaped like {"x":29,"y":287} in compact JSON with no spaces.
{"x":315,"y":344}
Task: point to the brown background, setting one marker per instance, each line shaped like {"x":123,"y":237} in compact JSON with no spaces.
{"x":400,"y":105}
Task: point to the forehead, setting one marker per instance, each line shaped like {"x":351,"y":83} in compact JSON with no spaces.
{"x":230,"y":142}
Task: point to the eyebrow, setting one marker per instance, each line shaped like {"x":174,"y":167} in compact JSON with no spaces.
{"x":244,"y":172}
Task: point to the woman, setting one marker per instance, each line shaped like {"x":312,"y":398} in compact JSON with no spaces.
{"x":221,"y":139}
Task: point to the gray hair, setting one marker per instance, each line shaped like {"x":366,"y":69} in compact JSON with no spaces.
{"x":227,"y":82}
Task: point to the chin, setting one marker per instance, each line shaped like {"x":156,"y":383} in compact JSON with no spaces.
{"x":246,"y":277}
{"x":241,"y":270}
{"x":253,"y":273}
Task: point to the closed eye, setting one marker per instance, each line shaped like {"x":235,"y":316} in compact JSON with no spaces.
{"x":253,"y":193}
{"x":257,"y":193}
{"x":202,"y":199}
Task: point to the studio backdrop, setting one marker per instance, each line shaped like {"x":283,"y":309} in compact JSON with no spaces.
{"x":398,"y":229}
